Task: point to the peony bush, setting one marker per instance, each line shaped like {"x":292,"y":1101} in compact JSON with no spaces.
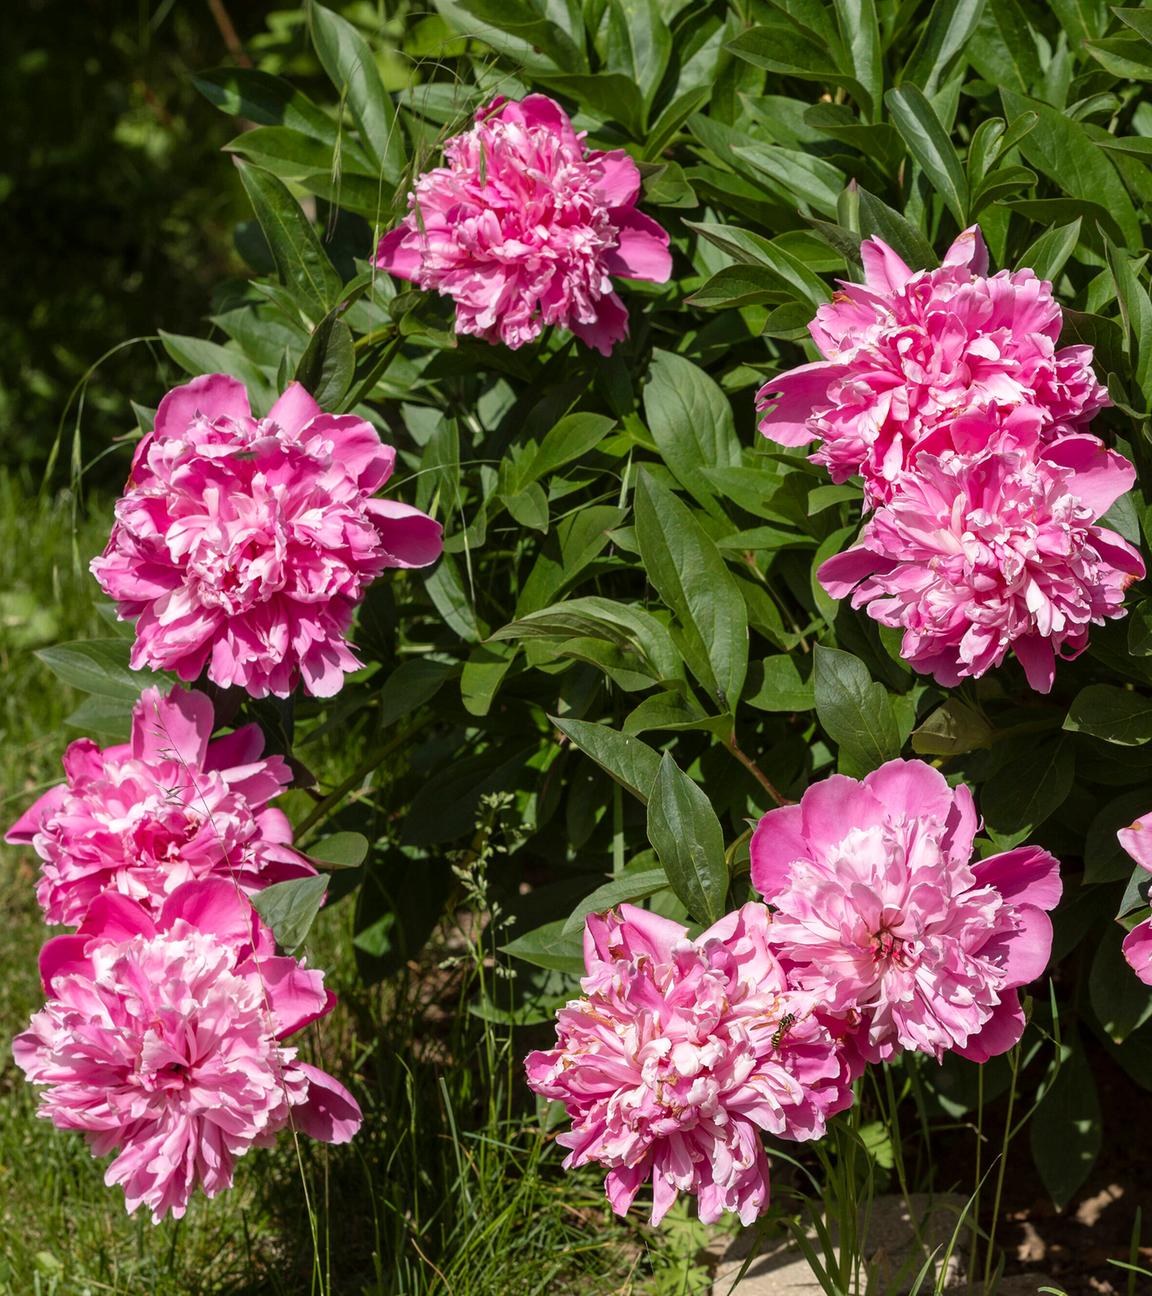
{"x":776,"y":563}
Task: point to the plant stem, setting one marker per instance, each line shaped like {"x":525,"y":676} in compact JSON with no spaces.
{"x":756,"y":772}
{"x":1014,"y":1063}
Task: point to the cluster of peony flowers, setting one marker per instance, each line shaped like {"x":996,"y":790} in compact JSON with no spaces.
{"x":524,"y":227}
{"x":242,"y":546}
{"x":946,"y":392}
{"x":163,"y":1035}
{"x":878,"y":934}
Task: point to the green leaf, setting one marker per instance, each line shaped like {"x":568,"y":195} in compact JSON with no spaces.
{"x":1136,"y":313}
{"x":776,"y":685}
{"x":301,"y":262}
{"x":796,"y":176}
{"x":1029,"y":787}
{"x":342,"y":850}
{"x":103,"y":717}
{"x":627,"y":887}
{"x":607,"y":94}
{"x":1050,"y":253}
{"x":692,"y":578}
{"x":351,"y":67}
{"x":295,"y":156}
{"x":574,"y":436}
{"x":630,"y":761}
{"x":688,"y":839}
{"x":1135,"y":895}
{"x":1105,"y":860}
{"x":928,"y":142}
{"x":734,"y":286}
{"x":791,"y":55}
{"x":197,"y":356}
{"x":483,"y":674}
{"x":410,"y":685}
{"x":788,"y":271}
{"x":855,"y":712}
{"x":1063,"y":150}
{"x":639,"y":42}
{"x":949,"y":27}
{"x":1066,"y":1128}
{"x":526,"y":21}
{"x":861,"y":35}
{"x":1115,"y":714}
{"x":691,"y":422}
{"x":877,"y":218}
{"x":529,"y":506}
{"x":289,"y":909}
{"x":1121,"y":1001}
{"x":99,"y":666}
{"x":952,"y":730}
{"x":551,"y":946}
{"x":328,"y":362}
{"x":453,"y":601}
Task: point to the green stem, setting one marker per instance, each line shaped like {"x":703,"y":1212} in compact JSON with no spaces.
{"x":1014,"y":1063}
{"x":756,"y":772}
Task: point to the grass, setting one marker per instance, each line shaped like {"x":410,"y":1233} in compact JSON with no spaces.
{"x":453,"y":1186}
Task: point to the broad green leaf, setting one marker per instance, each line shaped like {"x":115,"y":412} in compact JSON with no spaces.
{"x":630,"y":761}
{"x":529,"y":506}
{"x":1125,"y":56}
{"x":527,"y":21}
{"x":445,"y":806}
{"x":794,"y":175}
{"x":877,"y":218}
{"x":103,"y":717}
{"x":1003,"y":49}
{"x":483,"y":674}
{"x":1136,"y":312}
{"x":301,"y":262}
{"x":340,"y":850}
{"x":734,"y":286}
{"x":1115,"y":714}
{"x":1033,"y":782}
{"x":328,"y":362}
{"x":952,"y":730}
{"x":1135,"y":894}
{"x":1066,"y":1129}
{"x":1064,"y":151}
{"x":1121,"y":1001}
{"x":294,"y":155}
{"x":607,"y":94}
{"x":639,"y":42}
{"x":453,"y":601}
{"x":793,"y":56}
{"x":949,"y":27}
{"x":1050,"y":253}
{"x":775,"y":684}
{"x":928,"y":142}
{"x":690,"y":576}
{"x":677,"y":711}
{"x":629,"y":886}
{"x":197,"y":356}
{"x":351,"y":67}
{"x":860,"y":33}
{"x":99,"y":666}
{"x":691,"y":422}
{"x":855,"y":712}
{"x":688,"y":839}
{"x":410,"y":685}
{"x":788,"y":271}
{"x":574,"y":436}
{"x":289,"y":909}
{"x":551,"y":946}
{"x":1105,"y":860}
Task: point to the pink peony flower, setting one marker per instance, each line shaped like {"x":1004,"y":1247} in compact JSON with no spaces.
{"x":167,"y":808}
{"x":164,"y":1039}
{"x":1137,"y":841}
{"x":910,"y":355}
{"x":243,"y":545}
{"x":978,"y":556}
{"x":881,"y":914}
{"x":680,"y":1053}
{"x":524,"y":227}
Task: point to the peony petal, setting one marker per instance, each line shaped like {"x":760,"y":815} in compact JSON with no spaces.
{"x":609,"y":327}
{"x":28,"y":825}
{"x":884,"y":271}
{"x":296,"y":994}
{"x":294,"y":409}
{"x":411,"y":538}
{"x":331,"y":1114}
{"x":641,"y":251}
{"x":172,"y":727}
{"x":968,"y":249}
{"x":1102,"y":475}
{"x":211,"y":905}
{"x":999,"y":1033}
{"x":911,"y":789}
{"x":1027,"y":875}
{"x":1036,"y":655}
{"x":62,"y":956}
{"x":212,"y":396}
{"x":115,"y":917}
{"x":1138,"y":950}
{"x":787,"y":402}
{"x":400,"y":252}
{"x":778,"y":841}
{"x":618,"y":182}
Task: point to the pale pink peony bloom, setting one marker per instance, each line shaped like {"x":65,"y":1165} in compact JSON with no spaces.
{"x":524,"y":227}
{"x":680,"y":1054}
{"x":882,"y":914}
{"x":909,"y":356}
{"x":978,"y":556}
{"x":1137,"y":841}
{"x":243,"y":545}
{"x":163,"y":1040}
{"x":168,"y":807}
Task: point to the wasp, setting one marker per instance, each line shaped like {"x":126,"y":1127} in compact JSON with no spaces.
{"x":786,"y":1024}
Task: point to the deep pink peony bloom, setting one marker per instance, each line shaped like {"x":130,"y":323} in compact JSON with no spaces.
{"x":169,"y":807}
{"x":1137,"y":841}
{"x":524,"y":227}
{"x":243,"y":545}
{"x":978,"y":556}
{"x":909,"y":357}
{"x":680,"y":1053}
{"x":165,"y":1040}
{"x":880,"y":912}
